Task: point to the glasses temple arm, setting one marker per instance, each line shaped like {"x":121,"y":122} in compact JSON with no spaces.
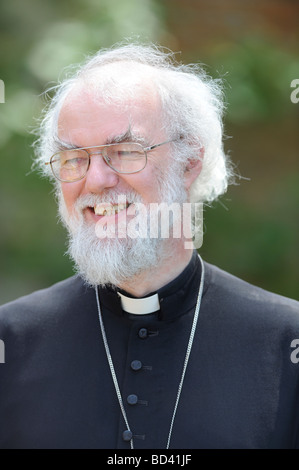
{"x":147,"y":149}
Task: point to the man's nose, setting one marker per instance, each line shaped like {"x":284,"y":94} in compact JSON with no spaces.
{"x":99,"y":175}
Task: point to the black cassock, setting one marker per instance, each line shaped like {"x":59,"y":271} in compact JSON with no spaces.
{"x":241,"y":384}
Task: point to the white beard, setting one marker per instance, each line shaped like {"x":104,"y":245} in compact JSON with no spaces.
{"x":113,"y":261}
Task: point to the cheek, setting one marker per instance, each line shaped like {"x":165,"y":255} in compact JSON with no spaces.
{"x":70,"y":193}
{"x":145,"y":184}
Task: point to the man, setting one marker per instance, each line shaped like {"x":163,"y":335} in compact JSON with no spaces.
{"x":147,"y":346}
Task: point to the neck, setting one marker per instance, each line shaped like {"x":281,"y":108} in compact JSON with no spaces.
{"x":169,"y":267}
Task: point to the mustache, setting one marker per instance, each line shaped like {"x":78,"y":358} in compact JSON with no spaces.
{"x":111,"y":197}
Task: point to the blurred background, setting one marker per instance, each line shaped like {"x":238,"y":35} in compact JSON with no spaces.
{"x":253,"y":230}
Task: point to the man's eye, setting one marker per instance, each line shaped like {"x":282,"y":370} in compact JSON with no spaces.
{"x":73,"y":162}
{"x":128,"y":155}
{"x":124,"y":153}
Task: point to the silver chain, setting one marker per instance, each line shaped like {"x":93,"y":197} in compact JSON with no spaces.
{"x":188,"y":351}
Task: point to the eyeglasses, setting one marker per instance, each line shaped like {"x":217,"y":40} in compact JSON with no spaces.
{"x":71,"y":165}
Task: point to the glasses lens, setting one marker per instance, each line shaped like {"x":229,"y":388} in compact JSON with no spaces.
{"x":70,"y":165}
{"x":125,"y":157}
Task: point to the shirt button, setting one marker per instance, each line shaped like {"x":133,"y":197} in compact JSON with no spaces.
{"x":127,"y":435}
{"x":136,"y":365}
{"x":132,"y":399}
{"x":143,"y":333}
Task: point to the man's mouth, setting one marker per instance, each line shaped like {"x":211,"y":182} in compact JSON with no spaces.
{"x":109,"y":209}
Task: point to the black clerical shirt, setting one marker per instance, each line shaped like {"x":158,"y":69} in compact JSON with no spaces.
{"x":240,"y":388}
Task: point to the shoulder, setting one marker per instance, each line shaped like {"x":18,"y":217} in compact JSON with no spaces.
{"x":42,"y":305}
{"x":241,"y":298}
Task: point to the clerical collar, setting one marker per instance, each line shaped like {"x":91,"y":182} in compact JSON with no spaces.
{"x":143,"y":306}
{"x":170,"y":301}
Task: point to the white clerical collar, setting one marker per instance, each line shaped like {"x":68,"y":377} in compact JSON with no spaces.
{"x":140,"y":306}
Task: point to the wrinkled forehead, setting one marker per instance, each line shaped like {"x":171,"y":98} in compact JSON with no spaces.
{"x":121,"y":92}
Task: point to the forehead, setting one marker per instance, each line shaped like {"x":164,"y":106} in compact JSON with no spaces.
{"x":110,"y":102}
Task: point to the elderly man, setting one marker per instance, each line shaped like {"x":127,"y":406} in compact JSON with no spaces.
{"x":147,"y":346}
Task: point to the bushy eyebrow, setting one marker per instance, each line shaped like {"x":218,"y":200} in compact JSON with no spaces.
{"x":61,"y":145}
{"x":127,"y":136}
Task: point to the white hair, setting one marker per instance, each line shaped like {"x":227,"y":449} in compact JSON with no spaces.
{"x":192,"y":107}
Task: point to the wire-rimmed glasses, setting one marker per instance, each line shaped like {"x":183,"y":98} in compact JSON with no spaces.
{"x":70,"y":165}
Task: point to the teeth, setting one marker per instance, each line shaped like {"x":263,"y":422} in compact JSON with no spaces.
{"x":109,"y":209}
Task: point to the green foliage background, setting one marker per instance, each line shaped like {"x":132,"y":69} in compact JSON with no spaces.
{"x":253,"y":230}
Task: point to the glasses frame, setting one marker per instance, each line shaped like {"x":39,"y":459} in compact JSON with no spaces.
{"x":106,"y":160}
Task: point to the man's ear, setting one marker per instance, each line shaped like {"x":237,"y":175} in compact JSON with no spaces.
{"x":193,"y":169}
